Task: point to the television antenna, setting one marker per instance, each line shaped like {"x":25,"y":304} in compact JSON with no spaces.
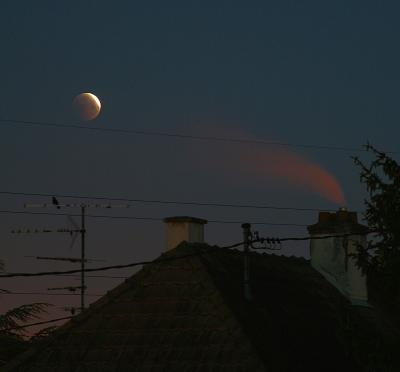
{"x":77,"y":230}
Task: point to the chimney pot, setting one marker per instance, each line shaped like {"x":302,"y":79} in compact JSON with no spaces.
{"x":183,"y":228}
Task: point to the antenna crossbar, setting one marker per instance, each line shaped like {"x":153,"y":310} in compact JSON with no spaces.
{"x":82,"y":231}
{"x":69,"y":259}
{"x":74,"y":205}
{"x":40,"y":231}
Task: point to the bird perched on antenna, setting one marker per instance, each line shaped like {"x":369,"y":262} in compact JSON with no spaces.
{"x":55,"y":202}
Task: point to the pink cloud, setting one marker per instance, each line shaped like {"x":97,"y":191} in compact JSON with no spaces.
{"x":269,"y":163}
{"x":299,"y":172}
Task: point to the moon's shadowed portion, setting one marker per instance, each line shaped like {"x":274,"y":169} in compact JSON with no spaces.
{"x":87,"y":106}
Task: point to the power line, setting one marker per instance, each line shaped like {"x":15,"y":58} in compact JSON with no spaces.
{"x":147,"y":262}
{"x":152,"y":219}
{"x":11,"y":122}
{"x":98,"y":276}
{"x":50,"y":294}
{"x":260,"y":223}
{"x":77,"y":215}
{"x":173,"y":202}
{"x":51,"y":273}
{"x":157,"y":261}
{"x":324,"y":237}
{"x":88,"y":276}
{"x":279,"y":241}
{"x":35,"y":324}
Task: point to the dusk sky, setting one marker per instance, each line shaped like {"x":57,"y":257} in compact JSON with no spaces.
{"x":298,"y":72}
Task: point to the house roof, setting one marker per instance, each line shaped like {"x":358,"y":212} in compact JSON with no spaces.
{"x":187,"y":312}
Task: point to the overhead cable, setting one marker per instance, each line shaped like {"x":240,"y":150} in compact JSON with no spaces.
{"x":133,"y":264}
{"x":34,"y":324}
{"x":160,"y":260}
{"x":170,"y":202}
{"x":49,"y":294}
{"x":152,"y":219}
{"x":13,"y":122}
{"x":312,"y":237}
{"x":87,"y":276}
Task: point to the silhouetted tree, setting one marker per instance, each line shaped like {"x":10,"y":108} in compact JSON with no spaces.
{"x":12,"y":340}
{"x":381,"y":258}
{"x":14,"y":318}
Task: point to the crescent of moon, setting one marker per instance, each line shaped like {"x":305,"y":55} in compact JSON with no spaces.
{"x":95,"y":99}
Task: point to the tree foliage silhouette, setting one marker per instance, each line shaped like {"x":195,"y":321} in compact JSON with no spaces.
{"x":381,"y":257}
{"x":12,"y":338}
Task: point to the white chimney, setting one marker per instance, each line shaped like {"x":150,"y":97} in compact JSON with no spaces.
{"x":331,"y":258}
{"x":183,"y":228}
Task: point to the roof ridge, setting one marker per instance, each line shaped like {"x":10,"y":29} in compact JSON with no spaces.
{"x":196,"y":252}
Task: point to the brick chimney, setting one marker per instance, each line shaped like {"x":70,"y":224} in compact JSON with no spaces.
{"x":331,"y":258}
{"x":183,"y":228}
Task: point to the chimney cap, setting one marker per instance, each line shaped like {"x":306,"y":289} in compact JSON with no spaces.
{"x":185,"y":219}
{"x":337,"y":222}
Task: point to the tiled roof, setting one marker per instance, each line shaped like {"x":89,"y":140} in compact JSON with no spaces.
{"x":190,"y":314}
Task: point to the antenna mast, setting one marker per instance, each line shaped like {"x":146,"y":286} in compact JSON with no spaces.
{"x":82,"y":231}
{"x":246,"y":275}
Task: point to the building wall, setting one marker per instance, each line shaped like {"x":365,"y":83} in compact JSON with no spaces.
{"x":196,"y":233}
{"x":331,"y":258}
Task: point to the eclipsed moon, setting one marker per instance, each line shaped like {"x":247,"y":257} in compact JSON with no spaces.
{"x":87,"y":106}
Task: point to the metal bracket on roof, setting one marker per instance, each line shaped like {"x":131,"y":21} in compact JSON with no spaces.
{"x":272,"y":244}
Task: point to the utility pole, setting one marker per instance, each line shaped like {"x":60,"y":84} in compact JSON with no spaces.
{"x":82,"y":231}
{"x":246,"y":274}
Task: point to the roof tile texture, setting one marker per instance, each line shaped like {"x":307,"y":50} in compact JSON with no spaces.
{"x":190,"y":314}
